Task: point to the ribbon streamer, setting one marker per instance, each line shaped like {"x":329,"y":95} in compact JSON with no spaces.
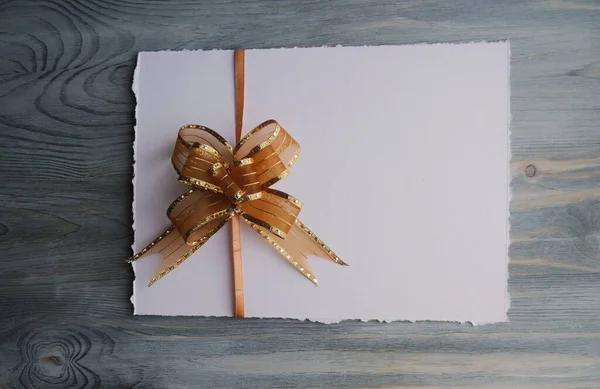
{"x":228,"y":183}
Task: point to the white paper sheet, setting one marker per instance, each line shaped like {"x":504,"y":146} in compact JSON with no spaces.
{"x":430,"y":239}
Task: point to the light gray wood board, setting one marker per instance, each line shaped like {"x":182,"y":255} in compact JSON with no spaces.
{"x":66,"y":117}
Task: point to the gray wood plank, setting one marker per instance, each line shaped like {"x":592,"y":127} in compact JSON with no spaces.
{"x":66,"y":117}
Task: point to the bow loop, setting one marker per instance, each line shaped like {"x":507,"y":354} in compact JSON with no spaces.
{"x":196,"y":213}
{"x":274,"y":210}
{"x":264,"y":156}
{"x":197,"y":149}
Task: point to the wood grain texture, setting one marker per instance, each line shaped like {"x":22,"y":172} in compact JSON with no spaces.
{"x":66,"y":117}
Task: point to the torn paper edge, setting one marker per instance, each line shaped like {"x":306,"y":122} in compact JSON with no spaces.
{"x":135,"y":87}
{"x":509,"y":178}
{"x":507,"y":304}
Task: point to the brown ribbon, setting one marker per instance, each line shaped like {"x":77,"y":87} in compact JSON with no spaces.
{"x":236,"y":239}
{"x":232,"y":183}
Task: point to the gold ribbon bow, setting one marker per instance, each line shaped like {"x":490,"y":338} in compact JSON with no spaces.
{"x":226,"y":181}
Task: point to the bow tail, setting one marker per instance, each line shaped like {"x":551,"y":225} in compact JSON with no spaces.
{"x":196,"y":216}
{"x":173,"y":249}
{"x":299,"y":243}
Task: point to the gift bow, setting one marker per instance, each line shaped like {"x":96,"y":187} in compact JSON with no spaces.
{"x":226,"y":181}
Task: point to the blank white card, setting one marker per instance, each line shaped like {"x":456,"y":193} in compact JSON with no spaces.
{"x":404,"y":173}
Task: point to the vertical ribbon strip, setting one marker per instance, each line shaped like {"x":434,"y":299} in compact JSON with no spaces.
{"x":236,"y":238}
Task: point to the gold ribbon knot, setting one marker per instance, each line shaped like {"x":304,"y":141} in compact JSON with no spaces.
{"x":225,"y":181}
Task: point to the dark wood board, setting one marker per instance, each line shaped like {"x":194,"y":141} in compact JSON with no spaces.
{"x":66,"y":133}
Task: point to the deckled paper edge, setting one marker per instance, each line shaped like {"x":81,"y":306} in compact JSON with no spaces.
{"x":135,"y":87}
{"x":509,"y":179}
{"x":507,"y":305}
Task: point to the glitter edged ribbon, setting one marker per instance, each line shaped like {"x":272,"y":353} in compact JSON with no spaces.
{"x":225,"y":181}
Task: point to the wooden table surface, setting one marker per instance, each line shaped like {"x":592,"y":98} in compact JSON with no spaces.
{"x":66,"y":117}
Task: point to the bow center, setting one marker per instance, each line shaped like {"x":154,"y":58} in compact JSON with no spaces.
{"x":221,"y":176}
{"x":238,"y":181}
